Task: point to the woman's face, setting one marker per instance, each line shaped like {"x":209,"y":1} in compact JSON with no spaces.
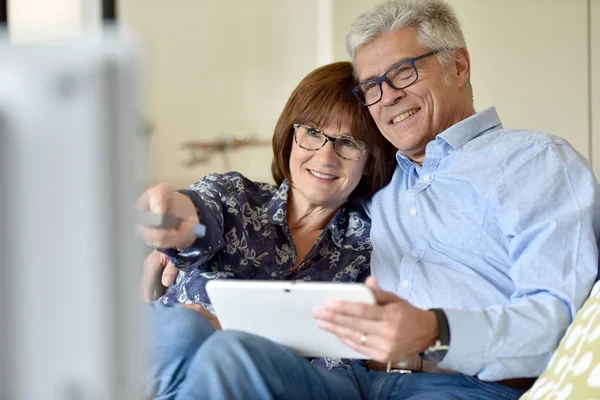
{"x":322,"y":177}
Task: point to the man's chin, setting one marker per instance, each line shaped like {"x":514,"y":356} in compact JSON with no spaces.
{"x":397,"y":139}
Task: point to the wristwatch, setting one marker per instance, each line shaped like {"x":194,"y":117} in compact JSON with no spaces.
{"x":440,"y":347}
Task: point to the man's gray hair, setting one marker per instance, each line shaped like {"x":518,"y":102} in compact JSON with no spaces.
{"x":435,"y":20}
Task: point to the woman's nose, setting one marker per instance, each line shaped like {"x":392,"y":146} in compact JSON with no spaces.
{"x":327,"y":152}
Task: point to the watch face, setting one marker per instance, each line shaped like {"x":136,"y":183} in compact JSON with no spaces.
{"x":434,"y":355}
{"x":435,"y":352}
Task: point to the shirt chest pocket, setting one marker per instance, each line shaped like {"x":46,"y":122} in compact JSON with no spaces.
{"x":448,"y":225}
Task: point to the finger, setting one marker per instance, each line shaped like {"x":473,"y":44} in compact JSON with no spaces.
{"x":355,"y":309}
{"x":341,"y":332}
{"x":164,"y":238}
{"x":342,"y":322}
{"x":372,"y":283}
{"x":381,"y":296}
{"x":181,"y":237}
{"x":366,"y":349}
{"x":159,"y":198}
{"x":353,"y":334}
{"x":150,"y":276}
{"x":142,"y":202}
{"x":169,"y":275}
{"x":159,"y":290}
{"x":148,"y":285}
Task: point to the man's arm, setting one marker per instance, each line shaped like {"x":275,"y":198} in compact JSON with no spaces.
{"x":547,"y":207}
{"x":553,"y":228}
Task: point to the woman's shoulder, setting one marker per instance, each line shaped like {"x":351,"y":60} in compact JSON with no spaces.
{"x":355,"y":214}
{"x":351,"y":228}
{"x":232,"y":182}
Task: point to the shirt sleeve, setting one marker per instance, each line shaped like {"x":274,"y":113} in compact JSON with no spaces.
{"x":208,"y":196}
{"x":547,"y":207}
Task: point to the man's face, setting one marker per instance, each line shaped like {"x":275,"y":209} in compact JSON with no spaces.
{"x":412,"y":117}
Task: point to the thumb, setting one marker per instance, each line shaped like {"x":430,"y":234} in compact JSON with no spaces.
{"x":169,"y":275}
{"x":381,"y":296}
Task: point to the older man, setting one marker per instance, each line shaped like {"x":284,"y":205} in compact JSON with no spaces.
{"x":497,"y":227}
{"x":484,"y":243}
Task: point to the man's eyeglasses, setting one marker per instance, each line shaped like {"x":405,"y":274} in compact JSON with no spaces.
{"x":313,"y":139}
{"x":399,"y":76}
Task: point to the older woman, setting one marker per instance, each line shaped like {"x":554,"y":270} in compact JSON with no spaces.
{"x":327,"y":151}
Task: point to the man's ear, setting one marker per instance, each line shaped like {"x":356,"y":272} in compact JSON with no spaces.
{"x":462,"y":63}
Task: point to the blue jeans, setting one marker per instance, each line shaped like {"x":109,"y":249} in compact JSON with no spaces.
{"x":189,"y":360}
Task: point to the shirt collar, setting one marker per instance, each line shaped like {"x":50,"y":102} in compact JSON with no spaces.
{"x":459,"y":134}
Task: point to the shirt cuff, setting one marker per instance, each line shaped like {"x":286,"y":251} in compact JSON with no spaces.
{"x":211,"y":239}
{"x":467,"y":341}
{"x":203,"y":248}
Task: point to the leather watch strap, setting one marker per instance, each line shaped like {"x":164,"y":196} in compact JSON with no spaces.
{"x":443,"y":326}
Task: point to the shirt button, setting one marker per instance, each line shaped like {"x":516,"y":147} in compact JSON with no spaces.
{"x":415,"y":254}
{"x":405,"y":284}
{"x":426,"y":178}
{"x":413,"y":212}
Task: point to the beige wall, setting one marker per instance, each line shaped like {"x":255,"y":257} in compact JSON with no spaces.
{"x":345,"y":12}
{"x":534,"y":72}
{"x":216,"y":68}
{"x":220,"y":67}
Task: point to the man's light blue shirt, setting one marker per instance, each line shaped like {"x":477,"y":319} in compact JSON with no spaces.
{"x":499,"y":228}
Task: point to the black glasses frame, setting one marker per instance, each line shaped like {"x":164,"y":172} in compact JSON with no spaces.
{"x":383,"y":78}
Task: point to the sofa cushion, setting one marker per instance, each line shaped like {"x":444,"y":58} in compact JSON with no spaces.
{"x":574,"y":370}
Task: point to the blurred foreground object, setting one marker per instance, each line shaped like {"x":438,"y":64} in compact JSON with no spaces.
{"x":69,"y":146}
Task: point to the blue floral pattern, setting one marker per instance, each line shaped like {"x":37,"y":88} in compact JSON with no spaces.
{"x":248,"y":238}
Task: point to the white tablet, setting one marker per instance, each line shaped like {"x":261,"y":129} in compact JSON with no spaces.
{"x":282,"y":311}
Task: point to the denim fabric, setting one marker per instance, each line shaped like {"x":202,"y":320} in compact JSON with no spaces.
{"x":189,"y":361}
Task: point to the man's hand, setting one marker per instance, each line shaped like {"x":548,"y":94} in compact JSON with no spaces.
{"x":162,"y":199}
{"x":157,"y":269}
{"x":387,"y":331}
{"x":211,"y":318}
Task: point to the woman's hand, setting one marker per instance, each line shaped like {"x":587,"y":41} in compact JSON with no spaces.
{"x":162,"y":199}
{"x":158,"y":274}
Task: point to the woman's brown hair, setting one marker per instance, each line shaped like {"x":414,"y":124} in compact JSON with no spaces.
{"x":324,"y":97}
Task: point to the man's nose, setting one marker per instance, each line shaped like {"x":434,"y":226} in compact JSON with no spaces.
{"x":389,"y":95}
